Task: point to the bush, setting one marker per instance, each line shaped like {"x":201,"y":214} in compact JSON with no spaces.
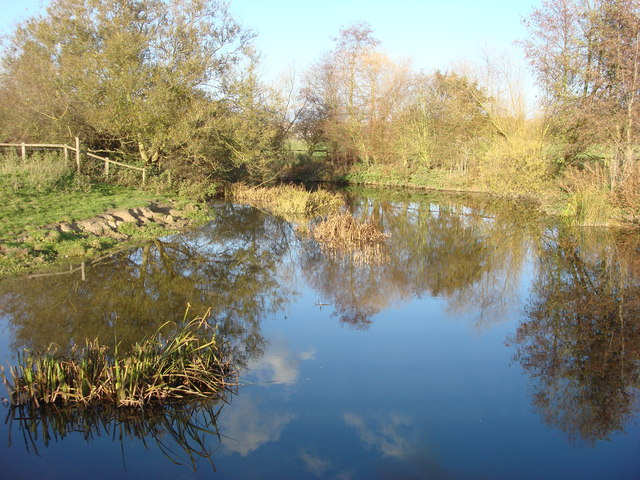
{"x":185,"y":363}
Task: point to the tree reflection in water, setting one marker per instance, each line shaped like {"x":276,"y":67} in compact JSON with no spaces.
{"x":580,"y":341}
{"x":230,"y":265}
{"x":472,"y":257}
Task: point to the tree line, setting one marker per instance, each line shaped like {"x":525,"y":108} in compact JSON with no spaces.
{"x":174,"y":83}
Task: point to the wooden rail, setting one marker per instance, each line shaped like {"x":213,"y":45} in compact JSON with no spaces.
{"x":66,"y":148}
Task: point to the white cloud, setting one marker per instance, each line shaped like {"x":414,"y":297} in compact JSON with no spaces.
{"x":314,"y":464}
{"x":386,"y":438}
{"x":245,"y":428}
{"x":279,"y":364}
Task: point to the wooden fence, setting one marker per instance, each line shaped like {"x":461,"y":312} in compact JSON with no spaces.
{"x":78,"y":154}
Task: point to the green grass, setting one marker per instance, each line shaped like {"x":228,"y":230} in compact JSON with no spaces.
{"x":43,"y":190}
{"x":24,"y":244}
{"x":26,"y":210}
{"x":141,"y":232}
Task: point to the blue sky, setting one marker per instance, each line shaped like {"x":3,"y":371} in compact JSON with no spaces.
{"x":295,"y":33}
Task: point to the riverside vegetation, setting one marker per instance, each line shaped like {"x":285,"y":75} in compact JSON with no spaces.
{"x":198,"y":113}
{"x":167,"y":385}
{"x":50,"y":213}
{"x":185,"y":362}
{"x":198,"y":118}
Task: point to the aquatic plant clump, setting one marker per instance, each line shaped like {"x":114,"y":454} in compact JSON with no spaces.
{"x":344,"y":235}
{"x":287,"y":200}
{"x":186,"y":364}
{"x":345,"y":230}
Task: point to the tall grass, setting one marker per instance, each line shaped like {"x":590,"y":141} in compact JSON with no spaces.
{"x":41,"y":171}
{"x":288,"y":200}
{"x":185,"y":364}
{"x":590,"y":201}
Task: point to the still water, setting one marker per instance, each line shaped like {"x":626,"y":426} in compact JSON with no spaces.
{"x":478,"y":342}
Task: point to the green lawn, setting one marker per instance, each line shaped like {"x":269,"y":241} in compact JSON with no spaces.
{"x":24,"y":211}
{"x":33,"y":197}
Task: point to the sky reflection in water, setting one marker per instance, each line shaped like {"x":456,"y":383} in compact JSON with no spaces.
{"x":479,"y":344}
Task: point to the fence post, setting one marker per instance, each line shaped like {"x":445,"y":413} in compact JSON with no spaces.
{"x":78,"y":154}
{"x":66,"y":154}
{"x":24,"y":152}
{"x":106,"y":168}
{"x":144,"y":176}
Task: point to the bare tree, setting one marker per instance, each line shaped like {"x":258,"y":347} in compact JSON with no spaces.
{"x":587,"y":57}
{"x":353,"y":96}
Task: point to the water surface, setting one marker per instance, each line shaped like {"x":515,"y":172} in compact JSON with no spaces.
{"x":478,"y":342}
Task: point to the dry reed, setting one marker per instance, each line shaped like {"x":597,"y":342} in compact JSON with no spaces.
{"x":288,"y":200}
{"x":343,"y":235}
{"x":345,"y":230}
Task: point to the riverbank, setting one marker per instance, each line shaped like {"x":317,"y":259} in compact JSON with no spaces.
{"x":587,"y":207}
{"x":80,"y":219}
{"x":41,"y":227}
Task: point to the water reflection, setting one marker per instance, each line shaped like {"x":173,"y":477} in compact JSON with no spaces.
{"x":278,"y":363}
{"x":471,"y":257}
{"x":399,"y":451}
{"x":230,"y":266}
{"x":580,"y":341}
{"x":389,"y":437}
{"x":181,"y":431}
{"x":247,"y":427}
{"x":315,"y":464}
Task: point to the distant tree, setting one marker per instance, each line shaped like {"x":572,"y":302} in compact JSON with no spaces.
{"x":352,"y":97}
{"x":448,"y":112}
{"x":586,"y":54}
{"x":156,"y":79}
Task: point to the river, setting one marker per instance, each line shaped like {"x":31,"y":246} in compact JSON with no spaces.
{"x":479,"y":341}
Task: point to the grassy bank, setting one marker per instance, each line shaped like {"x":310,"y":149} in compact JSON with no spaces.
{"x":574,"y":202}
{"x":43,"y":190}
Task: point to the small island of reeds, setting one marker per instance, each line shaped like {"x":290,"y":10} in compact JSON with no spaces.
{"x":342,"y":234}
{"x":180,"y":361}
